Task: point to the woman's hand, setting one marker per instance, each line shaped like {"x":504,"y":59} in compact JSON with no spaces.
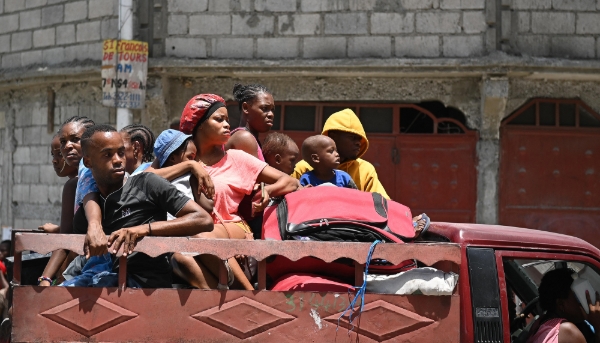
{"x":49,"y":228}
{"x":594,"y":315}
{"x":205,"y":184}
{"x":260,"y":200}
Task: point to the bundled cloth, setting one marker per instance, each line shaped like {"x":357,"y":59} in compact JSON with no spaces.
{"x":426,"y":281}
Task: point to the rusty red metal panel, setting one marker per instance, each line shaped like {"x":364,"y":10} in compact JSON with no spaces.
{"x":549,"y":180}
{"x":165,"y":315}
{"x":436,"y":174}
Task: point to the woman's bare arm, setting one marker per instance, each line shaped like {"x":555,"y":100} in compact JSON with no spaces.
{"x":245,"y":141}
{"x":205,"y":184}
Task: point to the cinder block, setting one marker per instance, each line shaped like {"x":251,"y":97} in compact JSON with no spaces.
{"x":474,"y":21}
{"x":209,"y":24}
{"x":463,"y":46}
{"x":52,"y":15}
{"x":346,"y":23}
{"x":362,"y":5}
{"x":232,"y":47}
{"x":588,"y":23}
{"x":418,"y":46}
{"x":440,"y":22}
{"x":418,"y":4}
{"x":38,"y":194}
{"x":65,"y":34}
{"x":553,"y":22}
{"x":88,"y":31}
{"x":39,"y":116}
{"x":31,"y":174}
{"x":40,"y":154}
{"x":1,"y":6}
{"x":83,"y":52}
{"x":574,"y":5}
{"x":18,"y":174}
{"x":109,"y":28}
{"x":21,"y":41}
{"x":277,"y":47}
{"x":598,"y":47}
{"x":35,"y":3}
{"x":178,"y":24}
{"x":252,"y":24}
{"x":31,"y":57}
{"x":13,"y":5}
{"x":53,"y":56}
{"x":9,"y":23}
{"x":11,"y":60}
{"x":275,"y":5}
{"x":472,"y":4}
{"x":324,"y":47}
{"x":44,"y":37}
{"x":299,"y":24}
{"x":32,"y":134}
{"x":100,"y":114}
{"x":573,"y":47}
{"x":218,"y":6}
{"x":22,"y":155}
{"x":324,"y":6}
{"x":52,"y":2}
{"x":102,"y":8}
{"x":75,"y":11}
{"x":21,"y":192}
{"x":392,"y":23}
{"x":188,"y":6}
{"x":370,"y":46}
{"x":4,"y":43}
{"x":532,"y":4}
{"x":18,"y":134}
{"x":241,"y":5}
{"x":523,"y":21}
{"x":54,"y":191}
{"x":186,"y":47}
{"x":30,"y":19}
{"x":450,"y":4}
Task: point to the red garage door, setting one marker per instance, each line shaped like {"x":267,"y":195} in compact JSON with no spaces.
{"x":550,"y":165}
{"x":424,"y":155}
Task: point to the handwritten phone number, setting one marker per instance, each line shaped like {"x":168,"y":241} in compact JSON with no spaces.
{"x":122,"y":83}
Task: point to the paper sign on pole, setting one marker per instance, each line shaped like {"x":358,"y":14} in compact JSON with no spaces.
{"x":124,"y":70}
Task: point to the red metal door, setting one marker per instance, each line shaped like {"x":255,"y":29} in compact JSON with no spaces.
{"x":436,"y":174}
{"x":381,"y":154}
{"x":549,"y":174}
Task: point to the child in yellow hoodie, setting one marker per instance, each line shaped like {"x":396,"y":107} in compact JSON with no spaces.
{"x":347,"y":132}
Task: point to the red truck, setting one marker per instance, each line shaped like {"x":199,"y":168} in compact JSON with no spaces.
{"x":499,"y":270}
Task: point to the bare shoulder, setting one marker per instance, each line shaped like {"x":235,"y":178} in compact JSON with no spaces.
{"x":243,"y":140}
{"x":70,"y":185}
{"x":569,"y":333}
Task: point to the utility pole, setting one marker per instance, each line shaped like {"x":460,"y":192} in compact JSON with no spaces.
{"x":125,"y":115}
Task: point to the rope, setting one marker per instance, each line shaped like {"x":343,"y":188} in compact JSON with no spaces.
{"x":360,"y":294}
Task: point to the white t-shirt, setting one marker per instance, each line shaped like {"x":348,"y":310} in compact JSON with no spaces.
{"x":182,"y":183}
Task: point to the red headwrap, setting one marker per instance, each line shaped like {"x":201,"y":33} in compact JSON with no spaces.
{"x":196,"y":109}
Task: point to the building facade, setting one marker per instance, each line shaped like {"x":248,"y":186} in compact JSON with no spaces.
{"x":476,"y":110}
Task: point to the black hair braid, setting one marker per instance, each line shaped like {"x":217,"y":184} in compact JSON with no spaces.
{"x":248,"y":93}
{"x":143,"y":135}
{"x":85,"y":121}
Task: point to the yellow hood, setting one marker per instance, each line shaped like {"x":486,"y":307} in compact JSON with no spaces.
{"x":346,"y":120}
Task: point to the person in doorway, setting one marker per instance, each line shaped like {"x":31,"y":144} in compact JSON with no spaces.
{"x":321,"y":154}
{"x":564,"y":318}
{"x":281,"y":152}
{"x":62,"y":169}
{"x":135,"y":206}
{"x":347,"y":132}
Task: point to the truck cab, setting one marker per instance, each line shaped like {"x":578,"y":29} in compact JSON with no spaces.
{"x":495,"y":299}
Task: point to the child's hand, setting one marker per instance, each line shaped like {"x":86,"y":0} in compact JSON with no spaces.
{"x":49,"y":228}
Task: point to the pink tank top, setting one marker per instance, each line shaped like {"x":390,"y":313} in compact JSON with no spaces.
{"x":548,"y":332}
{"x":259,"y":151}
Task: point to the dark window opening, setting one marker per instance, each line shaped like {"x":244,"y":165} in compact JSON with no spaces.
{"x":299,"y":118}
{"x":586,"y":119}
{"x":547,"y":114}
{"x":439,"y":110}
{"x":377,"y":119}
{"x":568,"y":116}
{"x":554,"y":112}
{"x":235,"y":117}
{"x":415,"y":121}
{"x":525,"y":118}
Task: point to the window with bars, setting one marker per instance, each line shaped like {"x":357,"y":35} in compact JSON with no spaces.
{"x":555,"y":113}
{"x":425,"y":118}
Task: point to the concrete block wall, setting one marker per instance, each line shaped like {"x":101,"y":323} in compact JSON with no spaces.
{"x":316,"y":29}
{"x":47,"y":32}
{"x":35,"y":191}
{"x":552,"y":28}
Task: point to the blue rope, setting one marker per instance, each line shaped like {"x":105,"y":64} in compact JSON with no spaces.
{"x":361,"y":293}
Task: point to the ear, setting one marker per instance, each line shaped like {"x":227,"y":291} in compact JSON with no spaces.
{"x":314,"y":158}
{"x":278,"y":158}
{"x":87,"y":162}
{"x":245,"y":107}
{"x":137,"y":148}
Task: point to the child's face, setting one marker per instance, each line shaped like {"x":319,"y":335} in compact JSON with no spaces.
{"x":189,"y":154}
{"x":328,"y":156}
{"x":289,"y":157}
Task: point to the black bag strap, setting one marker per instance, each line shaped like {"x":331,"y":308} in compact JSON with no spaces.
{"x":380,"y":203}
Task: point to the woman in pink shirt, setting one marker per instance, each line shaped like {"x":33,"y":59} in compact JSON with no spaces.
{"x":233,"y":172}
{"x":563,"y":314}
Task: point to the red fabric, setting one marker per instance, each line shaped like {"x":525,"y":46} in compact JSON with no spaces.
{"x":348,"y":205}
{"x":282,"y":265}
{"x":3,"y":267}
{"x":310,"y":283}
{"x":195,"y":109}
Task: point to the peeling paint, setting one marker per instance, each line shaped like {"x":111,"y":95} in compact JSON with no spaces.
{"x":315,"y":316}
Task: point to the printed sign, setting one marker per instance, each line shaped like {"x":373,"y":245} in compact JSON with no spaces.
{"x":124,"y":70}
